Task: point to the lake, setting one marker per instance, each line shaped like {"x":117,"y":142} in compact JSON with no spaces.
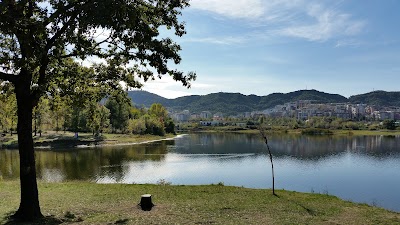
{"x":363,"y":169}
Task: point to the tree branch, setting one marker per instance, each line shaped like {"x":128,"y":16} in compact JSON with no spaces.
{"x":58,"y":12}
{"x":58,"y":34}
{"x":7,"y":77}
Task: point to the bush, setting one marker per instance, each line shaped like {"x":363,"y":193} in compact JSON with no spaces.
{"x":137,"y":126}
{"x":169,"y":126}
{"x":154,"y":126}
{"x":389,"y":124}
{"x":316,"y":131}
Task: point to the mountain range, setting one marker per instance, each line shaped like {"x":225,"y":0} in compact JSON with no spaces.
{"x":234,"y":103}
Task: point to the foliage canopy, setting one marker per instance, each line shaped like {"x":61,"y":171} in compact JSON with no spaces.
{"x":45,"y":43}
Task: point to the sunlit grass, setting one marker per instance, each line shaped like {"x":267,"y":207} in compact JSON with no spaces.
{"x":67,"y":139}
{"x":89,"y":203}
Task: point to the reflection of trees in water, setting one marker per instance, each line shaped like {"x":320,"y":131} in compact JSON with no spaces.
{"x":294,"y":145}
{"x":219,"y":143}
{"x":9,"y":164}
{"x":83,"y":164}
{"x":303,"y":146}
{"x":378,"y":146}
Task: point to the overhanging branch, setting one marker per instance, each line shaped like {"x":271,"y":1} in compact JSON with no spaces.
{"x":7,"y":77}
{"x":58,"y":12}
{"x":73,"y":16}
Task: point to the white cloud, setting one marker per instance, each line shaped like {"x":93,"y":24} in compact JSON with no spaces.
{"x":307,"y":19}
{"x":234,"y":9}
{"x":169,"y":88}
{"x":347,"y":43}
{"x":326,"y":24}
{"x":217,"y":40}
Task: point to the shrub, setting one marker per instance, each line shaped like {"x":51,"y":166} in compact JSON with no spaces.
{"x":316,"y":131}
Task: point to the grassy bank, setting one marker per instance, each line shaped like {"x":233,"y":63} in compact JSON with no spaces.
{"x":88,"y":203}
{"x":299,"y":131}
{"x":67,"y":140}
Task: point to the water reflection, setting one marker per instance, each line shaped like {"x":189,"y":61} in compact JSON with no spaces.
{"x":293,"y":145}
{"x":84,"y":163}
{"x":360,"y":168}
{"x":113,"y":161}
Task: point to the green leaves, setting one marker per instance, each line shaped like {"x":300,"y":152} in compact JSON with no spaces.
{"x":38,"y":37}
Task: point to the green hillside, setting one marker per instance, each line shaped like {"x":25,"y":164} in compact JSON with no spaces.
{"x":319,"y":97}
{"x":378,"y":98}
{"x":231,"y":103}
{"x":145,"y":98}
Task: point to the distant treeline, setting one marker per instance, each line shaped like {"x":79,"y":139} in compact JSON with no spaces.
{"x":96,"y":114}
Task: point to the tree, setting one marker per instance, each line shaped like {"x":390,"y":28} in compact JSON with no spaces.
{"x":119,"y":107}
{"x":169,"y":126}
{"x":137,"y":126}
{"x":77,"y":121}
{"x":153,"y":125}
{"x":158,"y":110}
{"x":264,"y":136}
{"x":38,"y":37}
{"x":104,"y":121}
{"x":389,"y":124}
{"x":40,"y":115}
{"x":8,"y":106}
{"x":58,"y":110}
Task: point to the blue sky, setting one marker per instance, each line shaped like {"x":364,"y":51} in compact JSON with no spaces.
{"x":261,"y":47}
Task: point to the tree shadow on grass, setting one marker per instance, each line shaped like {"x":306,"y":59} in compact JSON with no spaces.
{"x":52,"y":220}
{"x":310,"y":211}
{"x":45,"y":220}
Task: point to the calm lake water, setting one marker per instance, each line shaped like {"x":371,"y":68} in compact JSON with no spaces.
{"x":362,"y":169}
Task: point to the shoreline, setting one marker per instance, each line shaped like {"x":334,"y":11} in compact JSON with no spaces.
{"x":106,"y":144}
{"x":298,"y":132}
{"x":66,"y":142}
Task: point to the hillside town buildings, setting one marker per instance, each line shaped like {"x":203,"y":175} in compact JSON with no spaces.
{"x":303,"y":110}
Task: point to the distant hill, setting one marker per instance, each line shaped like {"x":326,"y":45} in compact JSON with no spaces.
{"x":319,"y":97}
{"x":227,"y":103}
{"x":378,"y":98}
{"x":231,"y":103}
{"x":145,"y":98}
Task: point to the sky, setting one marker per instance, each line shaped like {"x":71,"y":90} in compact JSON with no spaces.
{"x":345,"y":47}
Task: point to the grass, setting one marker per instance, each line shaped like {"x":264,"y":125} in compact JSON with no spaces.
{"x":334,"y":132}
{"x":89,"y":203}
{"x":65,"y":140}
{"x":368,"y":132}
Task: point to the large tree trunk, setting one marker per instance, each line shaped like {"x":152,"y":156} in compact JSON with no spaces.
{"x":29,"y":208}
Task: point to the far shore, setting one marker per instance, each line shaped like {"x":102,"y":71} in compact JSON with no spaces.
{"x":298,"y":131}
{"x":61,"y":140}
{"x":66,"y":140}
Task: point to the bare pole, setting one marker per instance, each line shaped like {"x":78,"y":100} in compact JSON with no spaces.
{"x":270,"y":158}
